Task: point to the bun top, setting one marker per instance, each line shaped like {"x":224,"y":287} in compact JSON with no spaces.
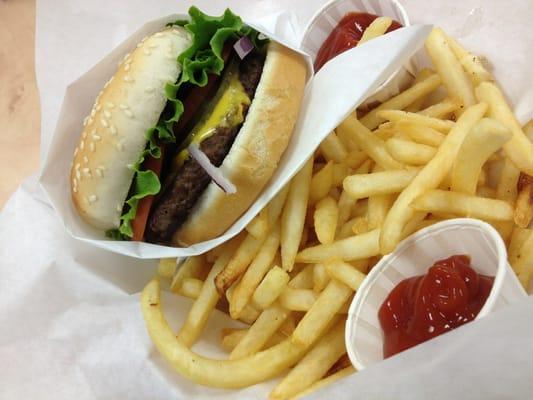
{"x":113,"y":136}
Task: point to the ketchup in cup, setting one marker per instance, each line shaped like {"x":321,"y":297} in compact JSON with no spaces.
{"x":422,"y":307}
{"x":346,"y":35}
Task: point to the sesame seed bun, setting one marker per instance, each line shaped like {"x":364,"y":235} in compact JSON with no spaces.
{"x":113,"y":136}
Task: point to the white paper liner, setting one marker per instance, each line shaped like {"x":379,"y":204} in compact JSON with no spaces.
{"x":413,"y":256}
{"x":330,"y":96}
{"x":327,"y":18}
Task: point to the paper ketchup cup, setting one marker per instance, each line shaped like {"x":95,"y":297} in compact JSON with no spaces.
{"x":327,"y":18}
{"x":413,"y":256}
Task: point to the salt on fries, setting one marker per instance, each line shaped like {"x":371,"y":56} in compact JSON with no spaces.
{"x":414,"y":160}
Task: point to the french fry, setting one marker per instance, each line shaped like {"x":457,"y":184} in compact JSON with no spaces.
{"x":191,"y":288}
{"x":360,"y":225}
{"x":314,"y":365}
{"x":377,"y":28}
{"x":471,"y":63}
{"x":345,"y":205}
{"x":347,"y":140}
{"x":317,"y":319}
{"x":345,"y":273}
{"x":270,"y":288}
{"x":238,"y":263}
{"x":275,"y":206}
{"x":441,"y":109}
{"x":408,"y":152}
{"x":486,"y":191}
{"x":485,"y":138}
{"x":231,"y":337}
{"x":258,"y":227}
{"x":343,"y":373}
{"x":320,"y":277}
{"x":255,"y":273}
{"x":260,"y":332}
{"x":528,"y":130}
{"x":421,"y":75}
{"x":518,"y":238}
{"x":340,"y":171}
{"x":354,"y":159}
{"x":325,"y":220}
{"x":297,"y":299}
{"x":463,"y":204}
{"x":508,"y":182}
{"x":378,"y":183}
{"x":167,"y":267}
{"x":429,"y":177}
{"x":524,"y":202}
{"x":372,"y":145}
{"x":303,"y":279}
{"x":523,"y":266}
{"x":293,"y":216}
{"x":288,"y":326}
{"x":449,"y":68}
{"x":321,"y":183}
{"x":346,"y":230}
{"x":378,"y":207}
{"x":190,"y":268}
{"x":206,"y":301}
{"x":334,"y":192}
{"x":402,"y":100}
{"x":421,"y":134}
{"x":332,"y":148}
{"x":414,"y":223}
{"x":417,"y":118}
{"x":519,"y":148}
{"x":351,"y":248}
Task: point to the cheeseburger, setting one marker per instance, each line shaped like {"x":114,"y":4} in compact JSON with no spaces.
{"x":182,"y":139}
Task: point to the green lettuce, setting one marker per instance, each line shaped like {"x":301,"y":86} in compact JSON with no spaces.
{"x":202,"y":58}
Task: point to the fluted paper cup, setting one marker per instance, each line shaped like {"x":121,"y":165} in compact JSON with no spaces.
{"x":327,"y":18}
{"x":479,"y":240}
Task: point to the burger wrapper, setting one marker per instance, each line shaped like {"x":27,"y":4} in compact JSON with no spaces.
{"x":71,"y":326}
{"x":330,"y":96}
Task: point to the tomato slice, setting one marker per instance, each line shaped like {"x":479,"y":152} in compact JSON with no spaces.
{"x":138,"y":224}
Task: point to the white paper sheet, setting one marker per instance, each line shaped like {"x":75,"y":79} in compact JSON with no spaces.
{"x":70,"y":322}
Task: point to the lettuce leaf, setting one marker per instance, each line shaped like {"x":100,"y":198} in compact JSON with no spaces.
{"x":202,"y":58}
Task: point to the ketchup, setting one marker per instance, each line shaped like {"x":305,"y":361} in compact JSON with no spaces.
{"x":420,"y":308}
{"x":346,"y":35}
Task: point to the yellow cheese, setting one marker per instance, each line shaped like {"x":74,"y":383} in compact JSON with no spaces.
{"x":227,"y":112}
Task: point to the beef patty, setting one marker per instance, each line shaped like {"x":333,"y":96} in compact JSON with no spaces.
{"x":189,"y":182}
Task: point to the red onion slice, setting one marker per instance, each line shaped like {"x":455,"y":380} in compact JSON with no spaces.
{"x":220,"y":180}
{"x":243,"y":47}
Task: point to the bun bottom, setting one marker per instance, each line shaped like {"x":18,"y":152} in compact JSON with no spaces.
{"x":256,"y":152}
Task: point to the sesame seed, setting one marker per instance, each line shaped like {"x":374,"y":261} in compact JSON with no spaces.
{"x":74,"y":182}
{"x":90,"y":122}
{"x":144,"y":39}
{"x":149,"y":89}
{"x":139,"y":45}
{"x":93,"y":112}
{"x":84,"y":134}
{"x":75,"y":151}
{"x":85,"y":159}
{"x":78,"y":174}
{"x":129,"y":166}
{"x":97,"y":137}
{"x":82,"y":145}
{"x":99,"y":172}
{"x":119,"y":207}
{"x":153,"y":45}
{"x":92,"y":198}
{"x":85,"y":121}
{"x":75,"y":189}
{"x":128,"y":113}
{"x":110,"y":104}
{"x":104,"y":123}
{"x":127,"y":78}
{"x":126,"y":67}
{"x":98,"y":107}
{"x":91,"y":147}
{"x":105,"y":86}
{"x":127,"y":56}
{"x":120,"y":146}
{"x":77,"y":167}
{"x":86,"y":171}
{"x":158,"y":34}
{"x":113,"y":130}
{"x":107,"y":114}
{"x":101,"y":167}
{"x":147,"y":52}
{"x":123,"y":106}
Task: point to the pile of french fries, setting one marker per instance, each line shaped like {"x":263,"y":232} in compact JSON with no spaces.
{"x":448,"y":146}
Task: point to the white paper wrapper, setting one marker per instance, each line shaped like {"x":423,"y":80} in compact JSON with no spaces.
{"x":330,"y":96}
